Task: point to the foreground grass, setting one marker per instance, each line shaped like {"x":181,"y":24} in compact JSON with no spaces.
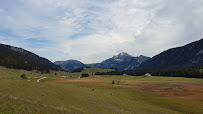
{"x":68,"y":97}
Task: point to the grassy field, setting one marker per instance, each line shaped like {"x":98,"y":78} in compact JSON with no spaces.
{"x":94,"y":94}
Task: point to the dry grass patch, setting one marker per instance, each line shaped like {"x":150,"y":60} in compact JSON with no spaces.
{"x":185,"y":90}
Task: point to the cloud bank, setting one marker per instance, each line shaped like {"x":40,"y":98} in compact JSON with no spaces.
{"x":93,"y":30}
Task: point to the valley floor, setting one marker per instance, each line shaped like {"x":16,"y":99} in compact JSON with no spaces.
{"x":97,"y":94}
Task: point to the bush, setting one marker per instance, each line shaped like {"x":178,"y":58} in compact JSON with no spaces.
{"x":23,"y":76}
{"x":85,"y":75}
{"x":45,"y":72}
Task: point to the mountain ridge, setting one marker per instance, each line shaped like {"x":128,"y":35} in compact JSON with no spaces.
{"x":180,"y":56}
{"x":19,"y":58}
{"x":122,"y":61}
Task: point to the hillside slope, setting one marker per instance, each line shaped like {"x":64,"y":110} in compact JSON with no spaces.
{"x":186,"y":55}
{"x":18,"y":58}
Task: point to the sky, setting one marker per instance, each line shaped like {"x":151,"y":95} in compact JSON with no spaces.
{"x":93,"y":30}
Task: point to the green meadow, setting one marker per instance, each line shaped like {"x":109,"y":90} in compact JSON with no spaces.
{"x":72,"y":95}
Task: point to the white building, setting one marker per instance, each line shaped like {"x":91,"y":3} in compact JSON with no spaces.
{"x":147,"y":74}
{"x":124,"y":74}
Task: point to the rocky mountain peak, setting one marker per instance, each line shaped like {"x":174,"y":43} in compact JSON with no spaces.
{"x":122,"y":55}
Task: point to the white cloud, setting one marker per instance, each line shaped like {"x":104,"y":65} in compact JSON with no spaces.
{"x":92,"y":31}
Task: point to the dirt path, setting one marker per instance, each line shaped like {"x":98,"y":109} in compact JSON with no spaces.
{"x":41,"y":79}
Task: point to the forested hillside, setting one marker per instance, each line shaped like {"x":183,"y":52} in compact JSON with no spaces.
{"x":18,"y":58}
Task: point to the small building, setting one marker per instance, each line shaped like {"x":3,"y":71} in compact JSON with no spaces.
{"x":147,"y":74}
{"x":124,"y":74}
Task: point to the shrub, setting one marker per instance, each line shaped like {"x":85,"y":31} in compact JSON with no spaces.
{"x":23,"y":76}
{"x":85,"y":75}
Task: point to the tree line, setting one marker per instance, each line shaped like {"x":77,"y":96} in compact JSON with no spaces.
{"x":190,"y":71}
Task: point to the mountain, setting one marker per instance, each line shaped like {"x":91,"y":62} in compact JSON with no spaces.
{"x":18,"y":58}
{"x":189,"y":54}
{"x":122,"y":61}
{"x":70,"y":64}
{"x":142,"y":59}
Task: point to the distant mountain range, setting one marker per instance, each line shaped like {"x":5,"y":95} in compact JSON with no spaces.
{"x":190,"y":54}
{"x":70,"y":64}
{"x":18,"y":58}
{"x":122,"y":61}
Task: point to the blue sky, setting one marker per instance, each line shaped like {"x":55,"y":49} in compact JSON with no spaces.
{"x":94,"y":30}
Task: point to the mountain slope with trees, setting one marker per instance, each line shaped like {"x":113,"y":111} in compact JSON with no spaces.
{"x":185,"y":61}
{"x":181,"y":56}
{"x":18,"y":58}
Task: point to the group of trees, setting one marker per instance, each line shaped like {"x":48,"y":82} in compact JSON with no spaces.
{"x":186,"y":71}
{"x":85,"y":75}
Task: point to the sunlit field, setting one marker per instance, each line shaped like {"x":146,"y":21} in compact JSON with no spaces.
{"x":97,"y":94}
